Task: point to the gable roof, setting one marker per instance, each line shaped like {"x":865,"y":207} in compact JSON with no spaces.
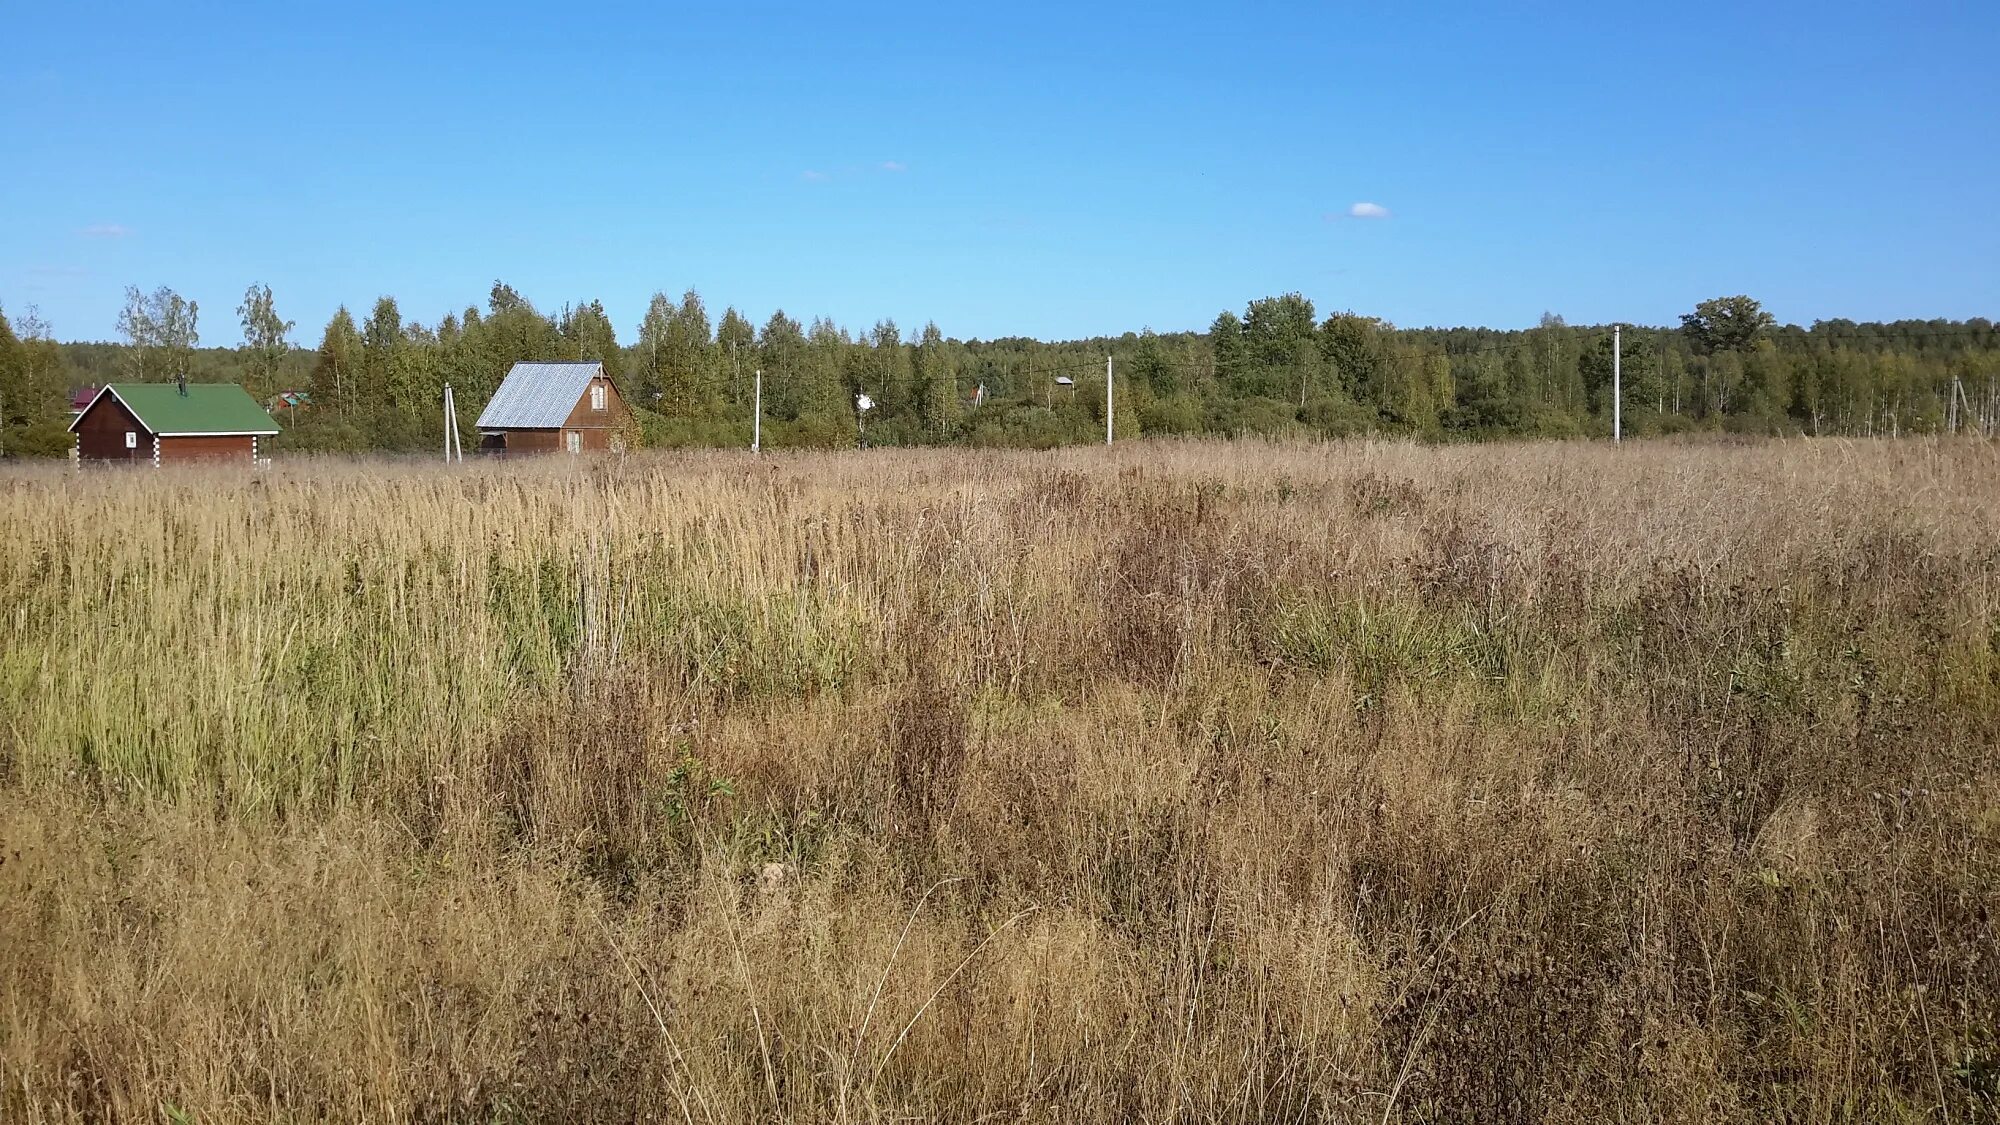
{"x":207,"y":408}
{"x":538,"y":396}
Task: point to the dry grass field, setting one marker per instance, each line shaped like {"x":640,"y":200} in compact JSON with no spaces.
{"x":1206,"y":782}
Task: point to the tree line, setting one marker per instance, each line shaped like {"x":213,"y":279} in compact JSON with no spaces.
{"x":1278,"y":368}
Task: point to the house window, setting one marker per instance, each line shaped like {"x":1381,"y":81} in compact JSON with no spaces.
{"x":597,"y":396}
{"x":575,"y":441}
{"x":131,"y":440}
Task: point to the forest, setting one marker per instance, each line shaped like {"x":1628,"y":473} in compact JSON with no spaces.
{"x":1277,"y":369}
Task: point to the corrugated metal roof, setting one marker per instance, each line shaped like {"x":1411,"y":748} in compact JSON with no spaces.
{"x":537,"y":396}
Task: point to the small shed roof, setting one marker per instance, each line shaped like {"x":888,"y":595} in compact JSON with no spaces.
{"x":206,"y":408}
{"x":538,"y":396}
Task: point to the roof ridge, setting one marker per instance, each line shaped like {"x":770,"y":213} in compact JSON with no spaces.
{"x":223,"y":408}
{"x":538,"y":393}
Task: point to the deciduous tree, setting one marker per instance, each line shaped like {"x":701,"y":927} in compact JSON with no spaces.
{"x":264,"y":335}
{"x":162,"y":329}
{"x":338,"y":364}
{"x":1726,"y":324}
{"x":31,"y":390}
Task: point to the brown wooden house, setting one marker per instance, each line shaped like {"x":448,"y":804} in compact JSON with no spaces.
{"x":555,"y":408}
{"x":166,"y":423}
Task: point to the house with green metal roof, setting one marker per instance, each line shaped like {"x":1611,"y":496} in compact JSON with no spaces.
{"x":170,"y":423}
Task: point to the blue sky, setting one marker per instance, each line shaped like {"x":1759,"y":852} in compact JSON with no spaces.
{"x":1059,"y":171}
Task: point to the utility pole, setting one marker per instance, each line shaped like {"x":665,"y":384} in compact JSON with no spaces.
{"x":1617,"y":395}
{"x":450,"y":425}
{"x":757,"y":414}
{"x":1109,"y":415}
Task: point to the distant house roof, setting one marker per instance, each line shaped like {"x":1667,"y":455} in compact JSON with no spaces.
{"x":82,"y":398}
{"x":538,"y":396}
{"x":206,"y":408}
{"x":291,"y":398}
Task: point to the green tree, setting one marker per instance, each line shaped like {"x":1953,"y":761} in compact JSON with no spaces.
{"x":934,"y":383}
{"x":15,"y":395}
{"x":337,"y":367}
{"x":381,"y":349}
{"x":781,"y":353}
{"x":1281,"y":337}
{"x":1721,"y":379}
{"x":503,"y":298}
{"x":735,"y":342}
{"x":416,"y":373}
{"x":824,"y":392}
{"x":1150,"y":367}
{"x":161,"y":329}
{"x":690,"y":350}
{"x":1767,"y":384}
{"x":512,"y":332}
{"x":31,"y":390}
{"x":589,"y":335}
{"x":888,"y":377}
{"x":264,"y":336}
{"x":1726,"y":324}
{"x":655,"y":352}
{"x":1416,"y":389}
{"x":1674,"y":382}
{"x":1555,"y":381}
{"x":1225,"y":339}
{"x":1271,"y":369}
{"x":1354,"y":350}
{"x":135,"y":323}
{"x":1639,"y":378}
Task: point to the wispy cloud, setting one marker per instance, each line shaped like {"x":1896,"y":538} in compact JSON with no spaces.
{"x":894,"y":166}
{"x":1368,"y":211}
{"x":106,"y":230}
{"x":813,"y":177}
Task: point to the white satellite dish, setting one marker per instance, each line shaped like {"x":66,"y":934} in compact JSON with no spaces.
{"x":1065,"y":381}
{"x":863,"y":403}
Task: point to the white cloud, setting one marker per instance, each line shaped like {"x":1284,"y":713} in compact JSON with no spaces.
{"x":1368,"y":211}
{"x":106,"y":230}
{"x":894,"y":166}
{"x":813,"y":177}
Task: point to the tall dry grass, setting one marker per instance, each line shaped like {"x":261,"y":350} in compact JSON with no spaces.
{"x":1370,"y":782}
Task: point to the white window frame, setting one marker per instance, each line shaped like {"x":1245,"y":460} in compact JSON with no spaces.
{"x":573,"y":441}
{"x":131,"y":439}
{"x":597,"y":396}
